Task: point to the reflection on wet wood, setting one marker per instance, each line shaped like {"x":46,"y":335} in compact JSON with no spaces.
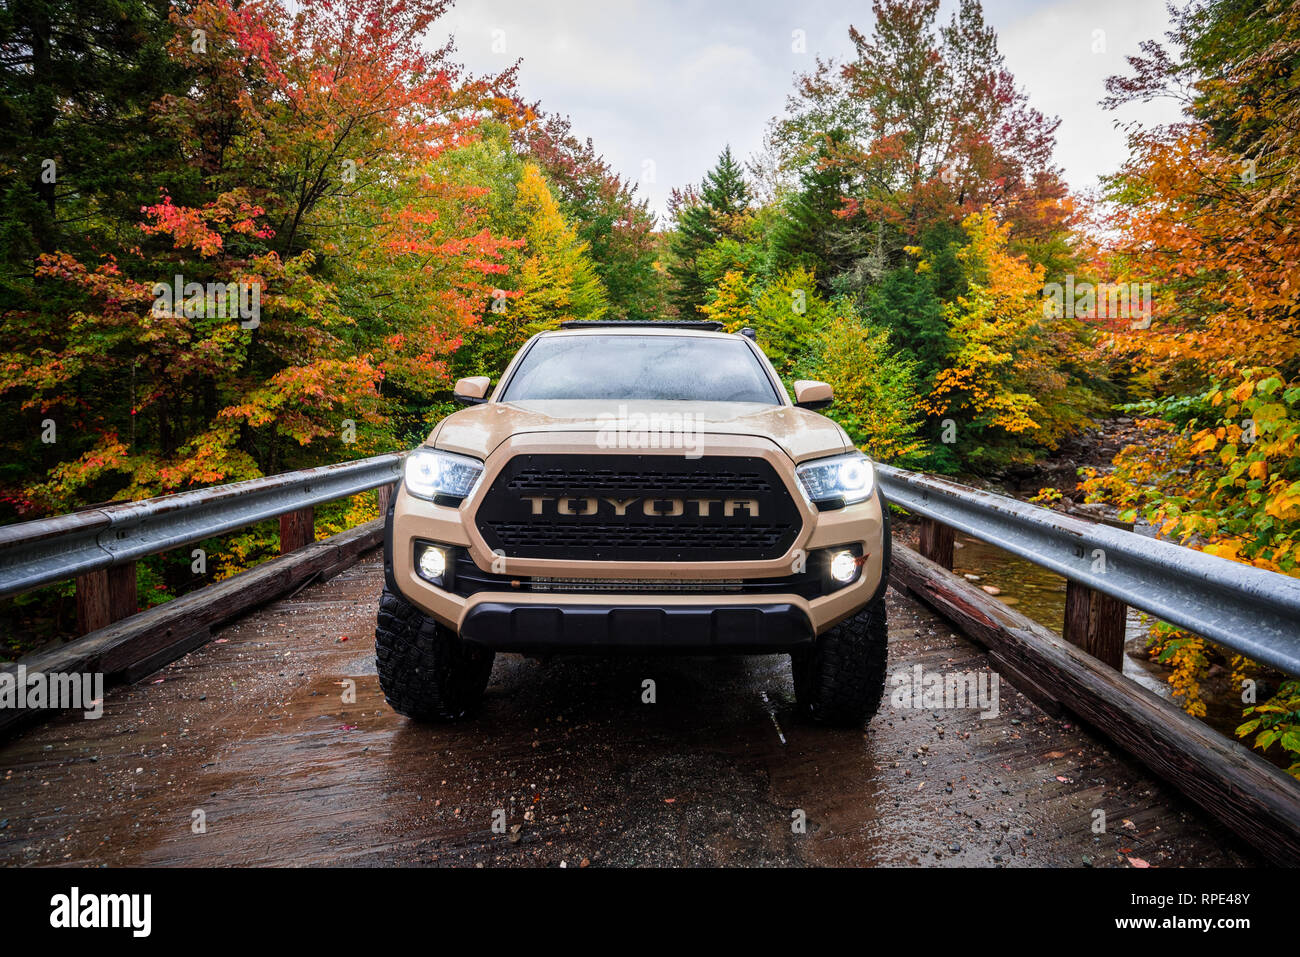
{"x":1255,"y":799}
{"x":277,"y":732}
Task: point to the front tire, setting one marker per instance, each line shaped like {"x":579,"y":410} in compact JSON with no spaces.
{"x":841,"y":679}
{"x":425,"y":670}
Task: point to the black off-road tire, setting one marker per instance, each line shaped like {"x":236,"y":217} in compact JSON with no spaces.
{"x":425,"y":670}
{"x":841,"y":680}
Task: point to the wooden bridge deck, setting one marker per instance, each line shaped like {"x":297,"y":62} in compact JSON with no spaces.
{"x":251,"y":731}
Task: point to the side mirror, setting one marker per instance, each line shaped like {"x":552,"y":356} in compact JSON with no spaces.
{"x":472,"y":391}
{"x":809,"y":394}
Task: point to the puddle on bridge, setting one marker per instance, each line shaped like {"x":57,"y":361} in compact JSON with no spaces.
{"x":1040,"y":594}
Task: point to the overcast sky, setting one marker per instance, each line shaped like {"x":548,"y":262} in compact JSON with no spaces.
{"x":661,"y":85}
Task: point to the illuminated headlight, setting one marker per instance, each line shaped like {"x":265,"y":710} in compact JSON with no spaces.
{"x":844,"y":566}
{"x":838,"y":480}
{"x":432,"y":562}
{"x":432,"y":474}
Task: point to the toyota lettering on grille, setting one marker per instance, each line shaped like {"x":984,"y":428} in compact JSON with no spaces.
{"x":655,"y":506}
{"x":638,"y":508}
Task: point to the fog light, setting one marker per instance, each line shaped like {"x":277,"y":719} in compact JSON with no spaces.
{"x":844,"y":567}
{"x":433,"y":563}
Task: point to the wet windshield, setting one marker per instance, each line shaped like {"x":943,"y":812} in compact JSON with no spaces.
{"x":698,"y":368}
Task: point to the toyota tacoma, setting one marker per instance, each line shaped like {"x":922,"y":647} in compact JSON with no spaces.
{"x":642,"y":488}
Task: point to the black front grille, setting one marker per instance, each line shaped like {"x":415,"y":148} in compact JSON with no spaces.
{"x":638,"y":508}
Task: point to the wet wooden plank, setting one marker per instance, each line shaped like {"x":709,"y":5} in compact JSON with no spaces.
{"x":1253,"y":798}
{"x":105,"y":596}
{"x":937,"y":541}
{"x":254,"y":730}
{"x":134,"y":647}
{"x":1095,"y":622}
{"x":297,"y":529}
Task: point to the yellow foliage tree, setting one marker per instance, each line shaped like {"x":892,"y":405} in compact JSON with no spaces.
{"x":1005,"y":376}
{"x":732,"y":302}
{"x":875,"y":386}
{"x":556,"y":279}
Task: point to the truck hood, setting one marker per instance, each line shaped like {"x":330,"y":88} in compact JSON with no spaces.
{"x":478,"y":430}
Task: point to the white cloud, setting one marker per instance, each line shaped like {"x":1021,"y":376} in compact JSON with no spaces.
{"x":1050,"y":50}
{"x":672,"y":81}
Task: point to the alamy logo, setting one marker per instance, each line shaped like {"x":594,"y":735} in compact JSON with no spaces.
{"x":55,"y":690}
{"x":654,"y":430}
{"x":213,"y":300}
{"x":74,"y":909}
{"x":1085,"y":300}
{"x":945,"y":691}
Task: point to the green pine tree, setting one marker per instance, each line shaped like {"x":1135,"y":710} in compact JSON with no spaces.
{"x":718,"y":212}
{"x":80,"y":148}
{"x":810,"y":235}
{"x":905,"y":303}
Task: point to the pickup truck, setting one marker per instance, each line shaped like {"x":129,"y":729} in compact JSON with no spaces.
{"x":636,"y":488}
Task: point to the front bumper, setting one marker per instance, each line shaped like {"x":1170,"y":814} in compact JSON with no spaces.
{"x":674,"y":619}
{"x":506,"y":625}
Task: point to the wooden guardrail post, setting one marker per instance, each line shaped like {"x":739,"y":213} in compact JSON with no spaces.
{"x":297,"y":529}
{"x":1095,"y":622}
{"x":105,"y":596}
{"x":936,"y":542}
{"x":385,"y":496}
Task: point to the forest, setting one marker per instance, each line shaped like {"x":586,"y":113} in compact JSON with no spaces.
{"x":238,"y":239}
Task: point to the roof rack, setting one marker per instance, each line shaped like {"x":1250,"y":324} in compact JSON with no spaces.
{"x":704,"y":325}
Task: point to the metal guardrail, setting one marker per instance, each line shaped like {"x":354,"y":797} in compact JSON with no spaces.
{"x":1250,"y":610}
{"x":56,"y":549}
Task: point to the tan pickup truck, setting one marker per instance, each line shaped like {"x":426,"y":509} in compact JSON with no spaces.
{"x":642,"y":488}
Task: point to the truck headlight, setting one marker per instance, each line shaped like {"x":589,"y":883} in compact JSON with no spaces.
{"x":432,"y":563}
{"x":838,"y":480}
{"x":436,"y":475}
{"x":844,"y":566}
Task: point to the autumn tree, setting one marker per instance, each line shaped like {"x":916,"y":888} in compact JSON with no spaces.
{"x":926,"y":126}
{"x":715,"y":212}
{"x":557,"y":280}
{"x":876,"y":395}
{"x":554,"y":280}
{"x":1004,"y":381}
{"x":1205,"y":210}
{"x":785,"y":314}
{"x":304,"y":142}
{"x":617,"y":227}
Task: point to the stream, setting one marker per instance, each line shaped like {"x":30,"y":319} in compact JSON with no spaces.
{"x":1040,"y":594}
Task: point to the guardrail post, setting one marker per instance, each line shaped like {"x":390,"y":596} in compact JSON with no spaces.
{"x":385,"y":496}
{"x":297,"y":529}
{"x":105,"y":596}
{"x":936,"y":542}
{"x":1095,"y":623}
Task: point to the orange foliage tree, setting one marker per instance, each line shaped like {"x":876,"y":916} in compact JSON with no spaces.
{"x":305,"y":278}
{"x":1205,"y":209}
